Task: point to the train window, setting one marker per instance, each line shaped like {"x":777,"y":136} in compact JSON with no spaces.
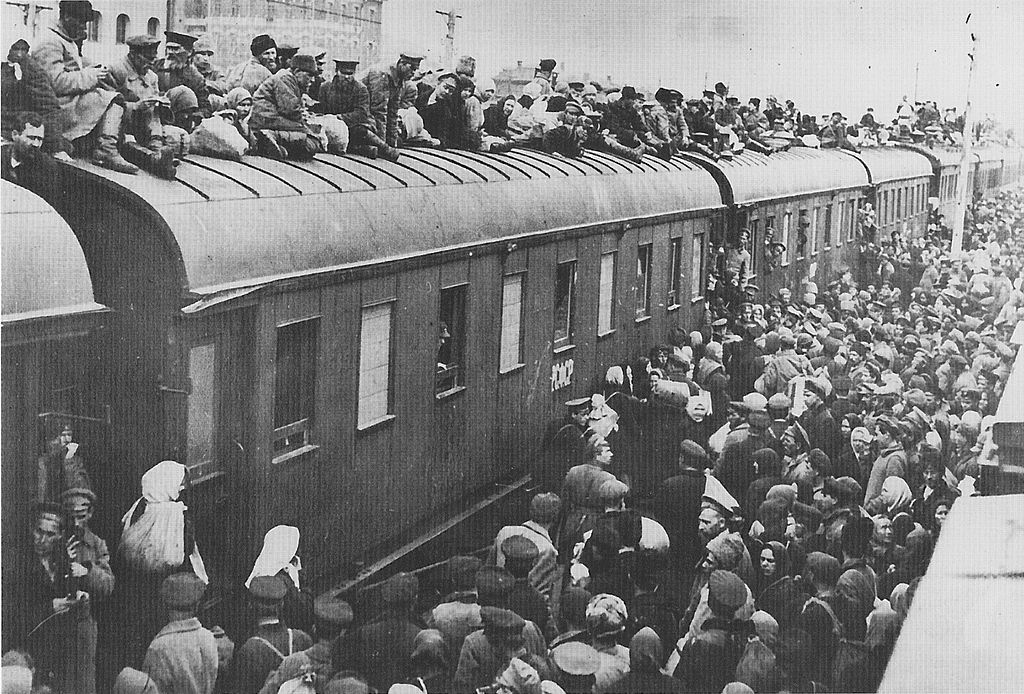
{"x":826,"y":231}
{"x":643,"y":281}
{"x":851,"y":229}
{"x":202,"y":365}
{"x":92,"y":29}
{"x":374,"y":365}
{"x":752,"y":246}
{"x":803,"y":224}
{"x":451,"y":340}
{"x":816,"y":231}
{"x":787,"y":223}
{"x":900,"y":210}
{"x":511,"y":322}
{"x":841,"y":227}
{"x":153,"y":26}
{"x":565,"y":303}
{"x":697,"y":269}
{"x":606,"y":294}
{"x":295,"y":385}
{"x":675,"y":271}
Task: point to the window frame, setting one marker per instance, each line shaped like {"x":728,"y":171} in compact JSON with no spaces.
{"x":826,"y":232}
{"x":93,"y":27}
{"x":787,"y":229}
{"x":700,"y":241}
{"x":441,"y":376}
{"x":122,"y":28}
{"x":153,"y":26}
{"x":504,"y":368}
{"x":801,"y":249}
{"x":568,"y":339}
{"x":675,"y":272}
{"x":613,"y":271}
{"x":304,"y":425}
{"x":645,"y":291}
{"x":389,"y":413}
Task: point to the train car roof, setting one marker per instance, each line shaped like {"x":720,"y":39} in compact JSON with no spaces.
{"x":43,"y":266}
{"x":243,"y":224}
{"x":886,"y":164}
{"x":963,"y":632}
{"x":989,"y":153}
{"x":754,"y":177}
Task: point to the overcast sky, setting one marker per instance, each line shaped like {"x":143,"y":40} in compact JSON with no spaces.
{"x":824,"y":54}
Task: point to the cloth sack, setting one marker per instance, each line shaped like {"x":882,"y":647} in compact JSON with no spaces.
{"x":216,"y":137}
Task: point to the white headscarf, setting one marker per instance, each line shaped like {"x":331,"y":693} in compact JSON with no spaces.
{"x":280,"y":545}
{"x":156,"y":542}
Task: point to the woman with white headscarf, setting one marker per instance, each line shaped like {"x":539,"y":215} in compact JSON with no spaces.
{"x":279,"y":557}
{"x":156,"y":540}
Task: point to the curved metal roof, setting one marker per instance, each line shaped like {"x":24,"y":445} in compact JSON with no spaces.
{"x":886,"y":164}
{"x":989,"y":154}
{"x":757,"y":177}
{"x":43,"y":267}
{"x":242,"y":224}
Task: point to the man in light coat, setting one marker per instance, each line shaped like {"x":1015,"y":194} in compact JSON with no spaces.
{"x":385,"y":89}
{"x":90,"y":108}
{"x":279,"y":118}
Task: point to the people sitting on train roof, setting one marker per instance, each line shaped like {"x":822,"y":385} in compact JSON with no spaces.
{"x":385,"y":92}
{"x":26,"y":89}
{"x":134,"y":78}
{"x":280,"y":122}
{"x":251,"y":73}
{"x":94,"y":113}
{"x":348,"y":98}
{"x":176,"y":69}
{"x":569,"y":137}
{"x":202,"y":61}
{"x":833,"y":134}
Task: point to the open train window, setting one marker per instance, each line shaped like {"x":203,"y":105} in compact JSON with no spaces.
{"x":565,"y":303}
{"x":697,"y":269}
{"x":511,"y":322}
{"x":816,"y":231}
{"x":643,"y":280}
{"x":753,"y":244}
{"x":675,"y":271}
{"x":803,"y":224}
{"x":826,"y":231}
{"x":374,"y":365}
{"x":606,"y":295}
{"x":787,"y":224}
{"x":451,"y":340}
{"x":295,"y":386}
{"x":851,"y":228}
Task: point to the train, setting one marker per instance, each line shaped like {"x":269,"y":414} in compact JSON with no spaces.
{"x":364,"y":348}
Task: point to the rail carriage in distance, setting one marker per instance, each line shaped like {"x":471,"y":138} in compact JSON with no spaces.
{"x":364,"y":348}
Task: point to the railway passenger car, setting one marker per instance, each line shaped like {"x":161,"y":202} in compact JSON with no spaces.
{"x":355,"y":346}
{"x":988,"y":176}
{"x":805,"y":199}
{"x":53,"y":332}
{"x":900,"y":179}
{"x":944,"y":177}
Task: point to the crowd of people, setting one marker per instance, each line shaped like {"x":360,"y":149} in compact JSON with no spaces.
{"x":148,"y":112}
{"x":750,"y":507}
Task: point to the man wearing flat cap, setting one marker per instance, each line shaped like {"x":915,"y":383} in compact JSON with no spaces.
{"x":183,"y":656}
{"x":202,"y":61}
{"x":88,"y":107}
{"x":348,"y":98}
{"x":486,"y":652}
{"x":280,"y":122}
{"x":565,"y":444}
{"x":385,"y":88}
{"x":251,"y":73}
{"x":545,"y":576}
{"x":272,"y":641}
{"x":381,"y":649}
{"x":332,"y":618}
{"x":59,"y":618}
{"x":134,"y":78}
{"x":520,"y":556}
{"x":176,"y":69}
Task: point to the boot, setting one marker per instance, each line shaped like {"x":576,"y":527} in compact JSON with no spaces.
{"x":368,"y":151}
{"x":157,"y":160}
{"x":389,"y":153}
{"x":107,"y":156}
{"x":267,"y":146}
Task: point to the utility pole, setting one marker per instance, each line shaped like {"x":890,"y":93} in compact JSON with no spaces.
{"x":449,"y":39}
{"x":963,"y":184}
{"x":917,"y":69}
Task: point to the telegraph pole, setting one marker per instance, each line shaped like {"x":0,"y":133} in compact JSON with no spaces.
{"x":963,"y":187}
{"x":449,"y":39}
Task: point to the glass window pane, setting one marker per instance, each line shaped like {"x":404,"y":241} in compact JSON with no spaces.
{"x":511,"y":322}
{"x":675,"y":271}
{"x":201,"y":415}
{"x":451,"y":339}
{"x":643,"y":281}
{"x":606,"y":294}
{"x":374,"y":363}
{"x":697,"y":269}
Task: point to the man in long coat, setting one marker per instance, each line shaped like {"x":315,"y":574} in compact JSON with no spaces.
{"x":385,"y":89}
{"x":348,"y":98}
{"x":90,"y":108}
{"x":278,"y":115}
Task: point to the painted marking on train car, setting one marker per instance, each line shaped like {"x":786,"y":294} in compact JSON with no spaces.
{"x":561,"y":374}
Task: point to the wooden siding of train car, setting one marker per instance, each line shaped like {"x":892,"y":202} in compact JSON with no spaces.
{"x":903,"y":207}
{"x":374,"y":487}
{"x":827,"y":262}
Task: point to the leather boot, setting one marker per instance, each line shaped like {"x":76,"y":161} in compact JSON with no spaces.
{"x":368,"y":151}
{"x":157,"y":160}
{"x":107,"y":156}
{"x":389,"y":153}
